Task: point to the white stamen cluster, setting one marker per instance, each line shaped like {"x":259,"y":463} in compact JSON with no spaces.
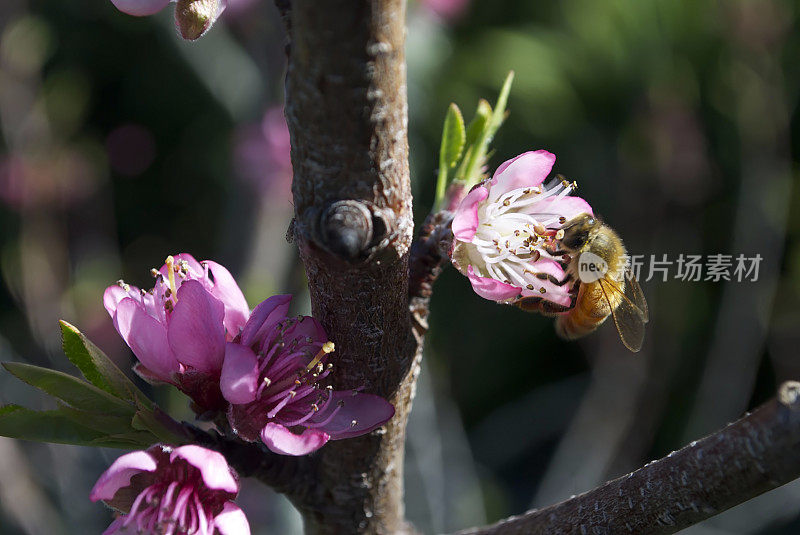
{"x":512,"y":234}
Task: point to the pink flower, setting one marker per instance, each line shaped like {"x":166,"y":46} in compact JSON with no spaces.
{"x":272,"y":376}
{"x":502,"y":226}
{"x":140,"y":8}
{"x":164,"y":490}
{"x":262,"y":155}
{"x":178,"y":330}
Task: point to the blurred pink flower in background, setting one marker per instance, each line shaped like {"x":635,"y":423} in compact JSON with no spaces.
{"x":262,"y":155}
{"x":178,"y":330}
{"x":502,"y":226}
{"x":163,"y":490}
{"x":58,"y":178}
{"x":446,"y":10}
{"x":272,"y":376}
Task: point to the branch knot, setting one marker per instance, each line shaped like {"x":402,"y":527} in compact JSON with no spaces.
{"x":353,"y":230}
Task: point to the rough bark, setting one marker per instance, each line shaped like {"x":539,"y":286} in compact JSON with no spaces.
{"x":749,"y":457}
{"x":346,"y":111}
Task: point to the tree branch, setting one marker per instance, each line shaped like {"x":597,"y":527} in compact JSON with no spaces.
{"x":346,"y":111}
{"x":748,"y":457}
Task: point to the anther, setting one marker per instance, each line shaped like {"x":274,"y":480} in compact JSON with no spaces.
{"x":170,"y":261}
{"x":327,"y":347}
{"x":560,"y":234}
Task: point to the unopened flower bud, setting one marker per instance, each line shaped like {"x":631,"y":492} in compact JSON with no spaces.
{"x":193,"y":18}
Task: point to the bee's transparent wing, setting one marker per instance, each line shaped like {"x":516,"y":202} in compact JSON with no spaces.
{"x":631,"y":314}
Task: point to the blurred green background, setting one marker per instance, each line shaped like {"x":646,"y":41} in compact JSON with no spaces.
{"x":121,"y":144}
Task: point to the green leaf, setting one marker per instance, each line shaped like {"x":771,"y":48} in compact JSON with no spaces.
{"x":161,"y":425}
{"x":128,"y":441}
{"x":476,"y":159}
{"x":97,"y":367}
{"x":44,"y":426}
{"x":478,"y":122}
{"x":75,"y":392}
{"x":499,"y":113}
{"x":453,"y":138}
{"x":104,"y":423}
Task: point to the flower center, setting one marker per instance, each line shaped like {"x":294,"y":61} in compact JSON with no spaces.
{"x":513,"y":232}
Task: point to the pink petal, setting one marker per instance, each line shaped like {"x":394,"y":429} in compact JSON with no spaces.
{"x":553,"y":293}
{"x":150,"y":376}
{"x":226,"y":290}
{"x":140,"y":8}
{"x":196,"y":333}
{"x":146,"y":337}
{"x":195,"y":268}
{"x":281,"y":440}
{"x":526,"y":170}
{"x":357,"y":414}
{"x":114,"y":294}
{"x":567,"y":206}
{"x":303,"y":329}
{"x":491,"y":289}
{"x":119,"y":474}
{"x":212,"y":465}
{"x":465,"y":219}
{"x":239,"y":379}
{"x":267,"y":314}
{"x":232,"y":521}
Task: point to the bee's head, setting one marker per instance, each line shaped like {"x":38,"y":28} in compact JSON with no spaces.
{"x":577,"y":231}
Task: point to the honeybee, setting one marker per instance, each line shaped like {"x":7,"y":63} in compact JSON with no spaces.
{"x":603,"y":284}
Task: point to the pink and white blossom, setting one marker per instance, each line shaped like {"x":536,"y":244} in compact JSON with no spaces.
{"x":179,"y":328}
{"x":163,"y":490}
{"x":274,"y":378}
{"x":503,"y":227}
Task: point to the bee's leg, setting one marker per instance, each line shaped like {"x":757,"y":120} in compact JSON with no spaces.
{"x":543,"y":307}
{"x":546,"y":308}
{"x":554,"y":280}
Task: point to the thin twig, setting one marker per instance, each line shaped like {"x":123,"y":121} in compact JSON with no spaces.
{"x":748,"y":457}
